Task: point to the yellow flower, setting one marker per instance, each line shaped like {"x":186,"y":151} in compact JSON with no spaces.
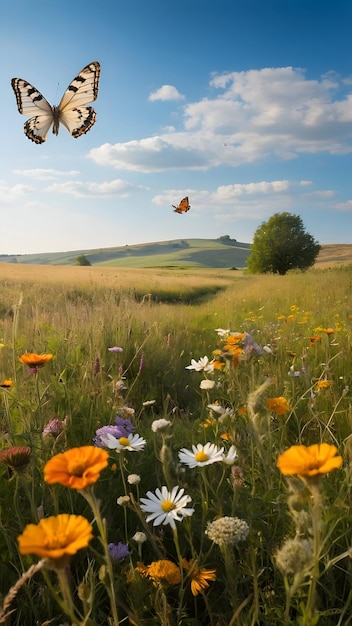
{"x":35,"y":360}
{"x":76,"y":468}
{"x":324,"y":384}
{"x":279,"y":405}
{"x":56,"y":537}
{"x":8,"y":382}
{"x":309,"y":460}
{"x":162,"y":570}
{"x":199,"y":576}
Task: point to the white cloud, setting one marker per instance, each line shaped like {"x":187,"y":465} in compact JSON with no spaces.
{"x":344,"y":206}
{"x":10,"y":194}
{"x":166,"y":92}
{"x":46,"y":174}
{"x":117,"y":187}
{"x":252,"y":116}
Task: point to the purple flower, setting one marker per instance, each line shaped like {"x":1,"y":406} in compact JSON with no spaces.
{"x":54,"y":428}
{"x":251,"y":347}
{"x":121,"y":428}
{"x":125,"y":427}
{"x":96,"y":368}
{"x":118,"y":551}
{"x":115,"y":349}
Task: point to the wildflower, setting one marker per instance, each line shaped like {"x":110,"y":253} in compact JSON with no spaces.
{"x":118,"y":551}
{"x":207,"y":384}
{"x":133,"y":443}
{"x":148,"y":402}
{"x":56,"y":537}
{"x":278,"y":405}
{"x":8,"y":382}
{"x":119,"y":385}
{"x":199,"y":576}
{"x":76,"y":468}
{"x":141,"y":364}
{"x":121,"y":428}
{"x":115,"y":349}
{"x":125,"y":425}
{"x":164,"y":570}
{"x":222,"y":332}
{"x":202,"y":365}
{"x":123,"y":500}
{"x":230,"y":457}
{"x":54,"y":428}
{"x":324,"y":384}
{"x":139,"y":537}
{"x":17,"y":458}
{"x":251,"y":347}
{"x":35,"y":361}
{"x":125,"y":411}
{"x":313,"y":339}
{"x":201,"y":455}
{"x":227,"y":531}
{"x":166,"y":507}
{"x":309,"y":461}
{"x":294,"y":556}
{"x":133,"y":479}
{"x":160,"y":425}
{"x":96,"y":368}
{"x":220,"y":410}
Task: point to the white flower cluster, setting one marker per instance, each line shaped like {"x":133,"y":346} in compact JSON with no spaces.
{"x":227,"y":531}
{"x":294,"y":556}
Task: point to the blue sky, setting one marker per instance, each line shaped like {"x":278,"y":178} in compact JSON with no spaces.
{"x":243,"y":105}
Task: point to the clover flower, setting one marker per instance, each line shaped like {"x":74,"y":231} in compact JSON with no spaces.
{"x":166,"y":507}
{"x":207,"y":384}
{"x":55,"y":427}
{"x":201,"y":455}
{"x":76,"y":468}
{"x":133,"y":479}
{"x":115,"y":349}
{"x":227,"y":531}
{"x":139,"y":537}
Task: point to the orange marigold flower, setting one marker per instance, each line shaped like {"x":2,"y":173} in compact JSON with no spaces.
{"x":309,"y":461}
{"x":56,"y":537}
{"x":279,"y":405}
{"x":199,"y":576}
{"x":8,"y":382}
{"x":235,"y":339}
{"x":313,"y":339}
{"x":242,"y":410}
{"x":324,"y":384}
{"x":35,"y":360}
{"x":164,"y":570}
{"x":76,"y":468}
{"x":329,"y":331}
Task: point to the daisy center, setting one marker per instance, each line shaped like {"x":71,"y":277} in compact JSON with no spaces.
{"x":124,"y":441}
{"x":201,"y":456}
{"x":167,"y":506}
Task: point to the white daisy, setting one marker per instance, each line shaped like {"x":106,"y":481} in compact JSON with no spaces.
{"x":166,"y":507}
{"x":222,"y":332}
{"x":230,"y":457}
{"x":134,"y":443}
{"x":201,"y":455}
{"x":202,"y":365}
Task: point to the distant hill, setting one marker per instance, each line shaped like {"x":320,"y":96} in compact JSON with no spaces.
{"x":223,"y":252}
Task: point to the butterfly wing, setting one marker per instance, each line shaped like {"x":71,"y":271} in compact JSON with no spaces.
{"x":72,"y":110}
{"x":183,"y":207}
{"x":31,"y":102}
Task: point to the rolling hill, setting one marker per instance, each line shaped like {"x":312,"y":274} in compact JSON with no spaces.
{"x":223,"y":252}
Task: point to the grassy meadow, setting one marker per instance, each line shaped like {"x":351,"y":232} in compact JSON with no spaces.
{"x":220,"y":493}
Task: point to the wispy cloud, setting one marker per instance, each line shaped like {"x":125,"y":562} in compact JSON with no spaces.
{"x":166,"y":92}
{"x":46,"y":174}
{"x":117,"y":187}
{"x":254,"y":115}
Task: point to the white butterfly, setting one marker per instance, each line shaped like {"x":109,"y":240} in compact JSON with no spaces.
{"x":72,"y":111}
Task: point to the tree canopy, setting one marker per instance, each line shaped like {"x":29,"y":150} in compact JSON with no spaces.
{"x":82,"y":259}
{"x":282,"y":244}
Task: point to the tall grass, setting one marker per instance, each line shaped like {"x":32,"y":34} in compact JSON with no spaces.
{"x":294,"y":565}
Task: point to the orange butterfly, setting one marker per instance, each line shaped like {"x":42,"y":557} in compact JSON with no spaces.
{"x":183,"y":207}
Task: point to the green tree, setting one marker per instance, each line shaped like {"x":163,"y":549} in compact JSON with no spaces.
{"x":282,"y":244}
{"x":82,"y":260}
